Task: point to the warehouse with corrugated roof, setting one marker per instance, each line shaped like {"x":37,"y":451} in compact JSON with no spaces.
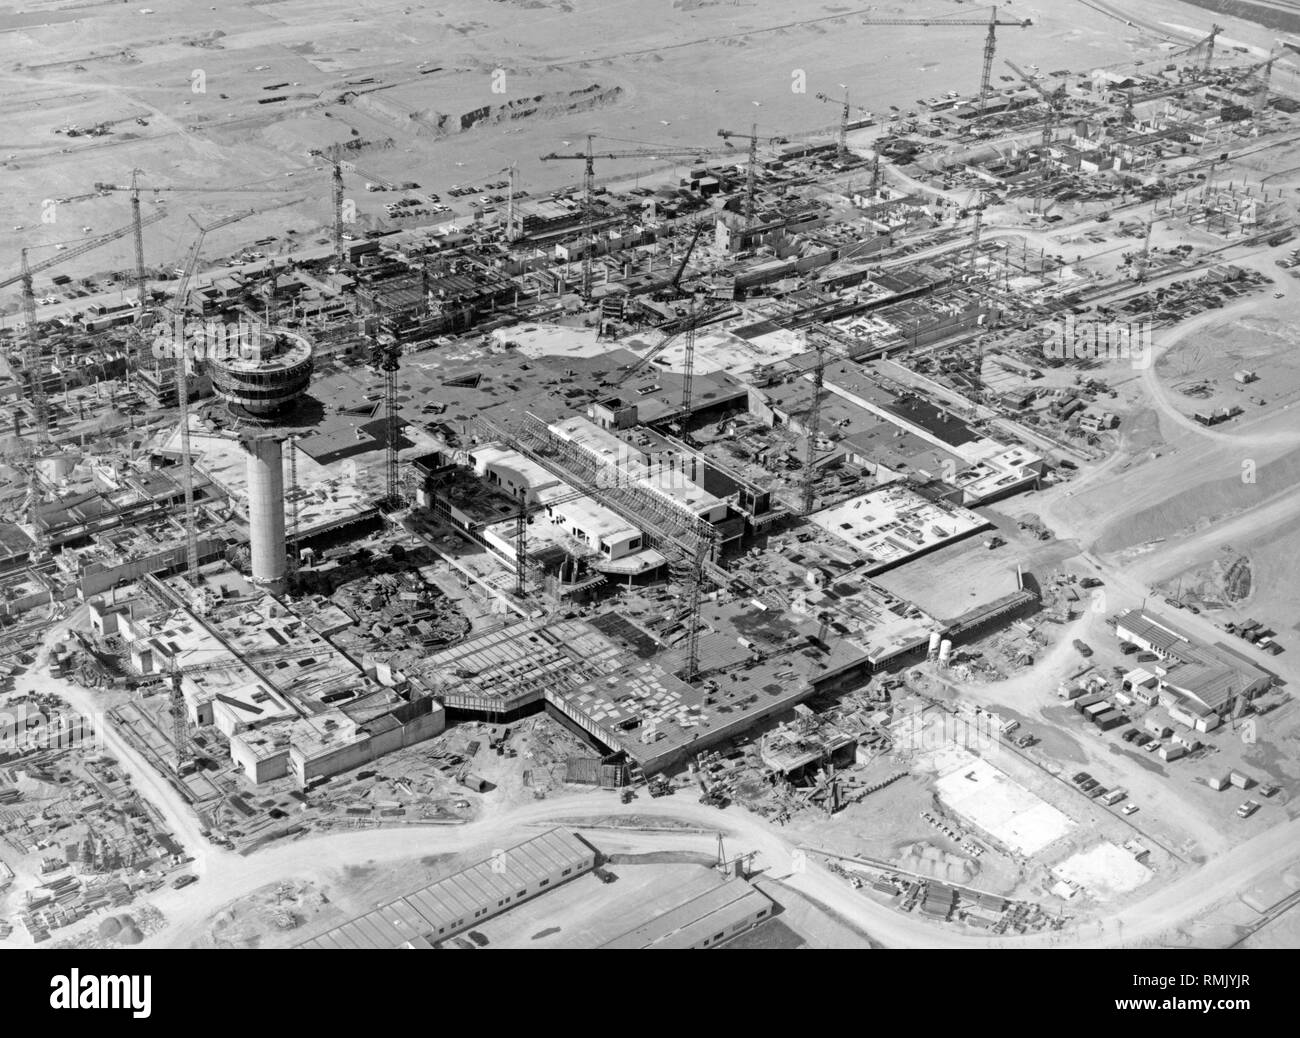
{"x":463,"y":899}
{"x":703,"y":921}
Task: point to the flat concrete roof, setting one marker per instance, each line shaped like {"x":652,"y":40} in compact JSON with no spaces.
{"x":892,"y":524}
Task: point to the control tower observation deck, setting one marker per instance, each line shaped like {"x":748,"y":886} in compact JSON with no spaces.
{"x":265,"y":379}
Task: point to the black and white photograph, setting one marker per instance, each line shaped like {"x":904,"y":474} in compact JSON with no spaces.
{"x":586,"y":475}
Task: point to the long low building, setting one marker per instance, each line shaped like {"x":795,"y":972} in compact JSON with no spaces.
{"x":467,"y":897}
{"x":1199,"y":684}
{"x":705,"y":920}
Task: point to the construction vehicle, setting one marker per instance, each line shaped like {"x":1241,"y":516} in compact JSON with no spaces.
{"x":658,"y":786}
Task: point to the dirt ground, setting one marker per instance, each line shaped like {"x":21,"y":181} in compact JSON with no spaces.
{"x":403,"y":88}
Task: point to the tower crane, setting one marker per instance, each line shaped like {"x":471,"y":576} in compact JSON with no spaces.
{"x":141,"y":283}
{"x":1265,"y":69}
{"x":673,"y":290}
{"x":990,"y":39}
{"x":808,"y":484}
{"x":751,"y":166}
{"x":135,"y":188}
{"x":333,"y":155}
{"x":842,"y":142}
{"x":179,"y":306}
{"x":688,"y":371}
{"x":522,"y":517}
{"x":1055,"y":101}
{"x":32,"y":345}
{"x":689,"y":553}
{"x":33,"y":364}
{"x":385,"y":357}
{"x":1207,"y":45}
{"x":693,"y":320}
{"x":589,"y":185}
{"x":977,"y":227}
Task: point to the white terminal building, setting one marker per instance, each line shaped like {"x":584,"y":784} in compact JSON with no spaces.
{"x":560,"y":515}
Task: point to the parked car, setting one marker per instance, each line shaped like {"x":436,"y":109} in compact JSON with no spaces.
{"x":1079,"y":777}
{"x":181,"y":882}
{"x":1128,"y":809}
{"x":1247,"y":809}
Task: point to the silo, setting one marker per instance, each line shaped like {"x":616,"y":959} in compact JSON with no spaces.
{"x":945,"y":651}
{"x":266,"y":512}
{"x":934,"y":645}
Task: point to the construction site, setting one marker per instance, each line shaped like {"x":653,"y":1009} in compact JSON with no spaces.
{"x":840,"y":481}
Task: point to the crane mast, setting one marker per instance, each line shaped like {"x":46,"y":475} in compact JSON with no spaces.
{"x":809,"y":482}
{"x":588,"y":158}
{"x":990,"y":52}
{"x":141,"y":284}
{"x":688,"y":369}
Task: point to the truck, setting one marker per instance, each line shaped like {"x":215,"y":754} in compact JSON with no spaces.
{"x":1114,"y":797}
{"x":1083,"y":648}
{"x":1247,"y":809}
